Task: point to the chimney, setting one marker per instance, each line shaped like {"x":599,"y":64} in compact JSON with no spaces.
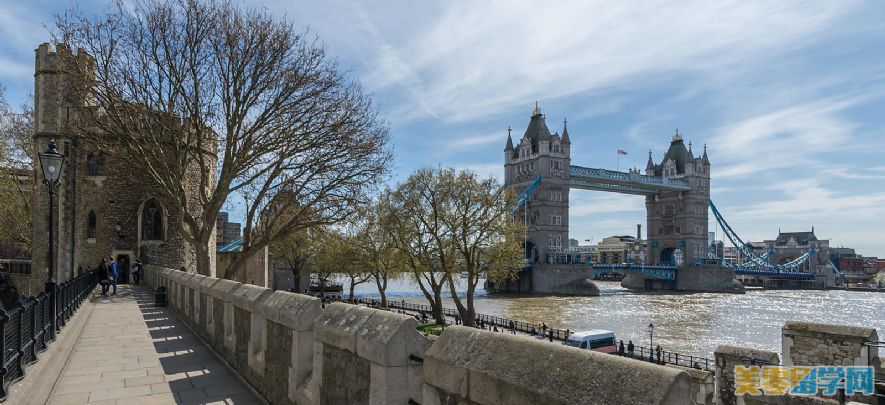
{"x":638,"y":232}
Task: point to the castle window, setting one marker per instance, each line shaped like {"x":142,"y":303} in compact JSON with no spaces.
{"x":90,"y":225}
{"x":152,"y":221}
{"x":100,"y":166}
{"x":95,"y":165}
{"x":91,"y":169}
{"x":678,"y":229}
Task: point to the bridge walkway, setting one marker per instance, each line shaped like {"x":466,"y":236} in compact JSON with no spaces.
{"x":130,"y":352}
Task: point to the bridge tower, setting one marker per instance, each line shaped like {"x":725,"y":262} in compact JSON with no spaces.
{"x":677,"y":220}
{"x":540,"y":153}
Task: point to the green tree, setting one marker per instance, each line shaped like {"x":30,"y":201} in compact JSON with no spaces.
{"x":16,"y":168}
{"x":443,"y":223}
{"x":376,"y":250}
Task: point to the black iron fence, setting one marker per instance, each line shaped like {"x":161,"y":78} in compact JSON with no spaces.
{"x":27,"y":329}
{"x":16,"y":266}
{"x":640,"y":352}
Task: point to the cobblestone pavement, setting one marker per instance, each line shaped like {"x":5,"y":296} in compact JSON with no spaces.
{"x":132,"y":353}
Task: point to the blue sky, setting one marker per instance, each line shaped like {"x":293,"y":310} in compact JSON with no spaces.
{"x":787,"y":95}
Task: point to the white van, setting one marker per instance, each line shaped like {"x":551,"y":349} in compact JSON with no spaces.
{"x":596,"y":340}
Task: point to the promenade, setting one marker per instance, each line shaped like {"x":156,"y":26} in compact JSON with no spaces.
{"x":130,"y":352}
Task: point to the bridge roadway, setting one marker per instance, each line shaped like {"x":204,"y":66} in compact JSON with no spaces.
{"x":130,"y":352}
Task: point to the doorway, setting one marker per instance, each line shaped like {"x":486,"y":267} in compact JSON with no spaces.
{"x":124,"y":262}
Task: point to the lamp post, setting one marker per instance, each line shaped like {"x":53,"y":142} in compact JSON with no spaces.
{"x":651,"y":342}
{"x":51,"y":163}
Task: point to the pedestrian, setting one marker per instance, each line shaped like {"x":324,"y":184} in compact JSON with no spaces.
{"x":137,"y":271}
{"x":621,"y":349}
{"x":104,"y":276}
{"x":496,"y":329}
{"x":114,"y":274}
{"x":658,"y":353}
{"x":512,"y":327}
{"x":550,"y":334}
{"x":630,"y":348}
{"x":457,"y":319}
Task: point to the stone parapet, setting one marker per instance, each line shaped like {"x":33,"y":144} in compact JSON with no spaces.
{"x":292,"y":351}
{"x":472,"y":366}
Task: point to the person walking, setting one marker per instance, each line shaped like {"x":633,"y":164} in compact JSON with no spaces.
{"x":457,"y":319}
{"x":621,"y":348}
{"x":137,"y":271}
{"x":658,"y":353}
{"x":104,"y":276}
{"x":550,"y":334}
{"x":114,"y":275}
{"x":512,"y":327}
{"x":630,"y":348}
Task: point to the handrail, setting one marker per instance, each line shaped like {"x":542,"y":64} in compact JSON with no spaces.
{"x":27,"y":330}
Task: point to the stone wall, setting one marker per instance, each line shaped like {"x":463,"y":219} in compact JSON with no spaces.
{"x":291,"y":350}
{"x":804,"y":344}
{"x":812,"y":344}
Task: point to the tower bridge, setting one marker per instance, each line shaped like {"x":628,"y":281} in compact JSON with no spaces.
{"x":677,"y":199}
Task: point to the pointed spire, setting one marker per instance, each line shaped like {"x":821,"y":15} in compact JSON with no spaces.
{"x":677,"y":137}
{"x":509,"y":140}
{"x":651,"y":164}
{"x":706,"y":159}
{"x":565,"y":138}
{"x":537,"y":110}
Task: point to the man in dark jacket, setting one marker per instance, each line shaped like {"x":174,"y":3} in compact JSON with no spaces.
{"x":104,"y":276}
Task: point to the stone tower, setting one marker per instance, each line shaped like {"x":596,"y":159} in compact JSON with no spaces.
{"x":677,"y":220}
{"x":540,"y":153}
{"x":104,"y":207}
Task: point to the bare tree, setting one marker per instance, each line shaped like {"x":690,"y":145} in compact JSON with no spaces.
{"x":16,"y":168}
{"x":173,"y":84}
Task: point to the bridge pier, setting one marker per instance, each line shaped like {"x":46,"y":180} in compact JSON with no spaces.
{"x":688,"y":279}
{"x":553,"y":279}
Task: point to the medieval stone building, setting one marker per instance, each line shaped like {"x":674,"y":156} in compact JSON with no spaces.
{"x":105,"y":205}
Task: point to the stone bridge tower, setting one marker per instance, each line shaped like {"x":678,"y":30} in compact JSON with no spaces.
{"x":540,"y":153}
{"x":677,"y":220}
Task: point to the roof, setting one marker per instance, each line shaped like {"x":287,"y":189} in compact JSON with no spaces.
{"x":802,"y":238}
{"x":678,"y":152}
{"x":537,"y":129}
{"x":235,"y":245}
{"x":583,"y":334}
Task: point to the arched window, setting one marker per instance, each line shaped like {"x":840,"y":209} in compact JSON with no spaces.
{"x":152,"y":221}
{"x":90,"y":225}
{"x":102,"y":159}
{"x":91,"y":169}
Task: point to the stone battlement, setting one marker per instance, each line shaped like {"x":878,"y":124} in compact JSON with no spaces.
{"x":291,"y":350}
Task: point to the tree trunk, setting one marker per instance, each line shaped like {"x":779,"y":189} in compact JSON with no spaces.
{"x":438,"y":308}
{"x":381,"y":283}
{"x":352,"y":285}
{"x":462,"y":311}
{"x":204,"y":265}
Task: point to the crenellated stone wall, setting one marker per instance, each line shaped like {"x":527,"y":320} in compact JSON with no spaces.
{"x":292,"y":351}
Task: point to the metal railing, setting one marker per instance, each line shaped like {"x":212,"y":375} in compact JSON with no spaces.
{"x":16,"y":266}
{"x":640,"y":352}
{"x":26,"y":330}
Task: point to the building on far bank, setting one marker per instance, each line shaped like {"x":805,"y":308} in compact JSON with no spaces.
{"x":256,"y":269}
{"x":225,"y":231}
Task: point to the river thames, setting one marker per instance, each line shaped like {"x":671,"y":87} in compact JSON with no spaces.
{"x":693,"y":324}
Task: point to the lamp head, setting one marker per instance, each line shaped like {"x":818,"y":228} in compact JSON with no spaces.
{"x":51,"y":162}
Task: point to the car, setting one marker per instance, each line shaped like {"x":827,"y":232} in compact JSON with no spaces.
{"x":597,"y":340}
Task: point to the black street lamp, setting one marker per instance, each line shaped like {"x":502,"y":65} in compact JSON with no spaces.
{"x":651,"y":341}
{"x":51,"y":162}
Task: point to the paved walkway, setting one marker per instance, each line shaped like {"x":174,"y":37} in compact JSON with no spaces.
{"x":132,"y":353}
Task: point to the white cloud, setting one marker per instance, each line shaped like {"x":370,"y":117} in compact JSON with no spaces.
{"x":489,"y":57}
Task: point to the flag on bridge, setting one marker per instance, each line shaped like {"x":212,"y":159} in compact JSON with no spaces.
{"x":622,"y":152}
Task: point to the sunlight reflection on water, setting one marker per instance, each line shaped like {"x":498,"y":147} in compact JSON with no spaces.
{"x":685,"y":323}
